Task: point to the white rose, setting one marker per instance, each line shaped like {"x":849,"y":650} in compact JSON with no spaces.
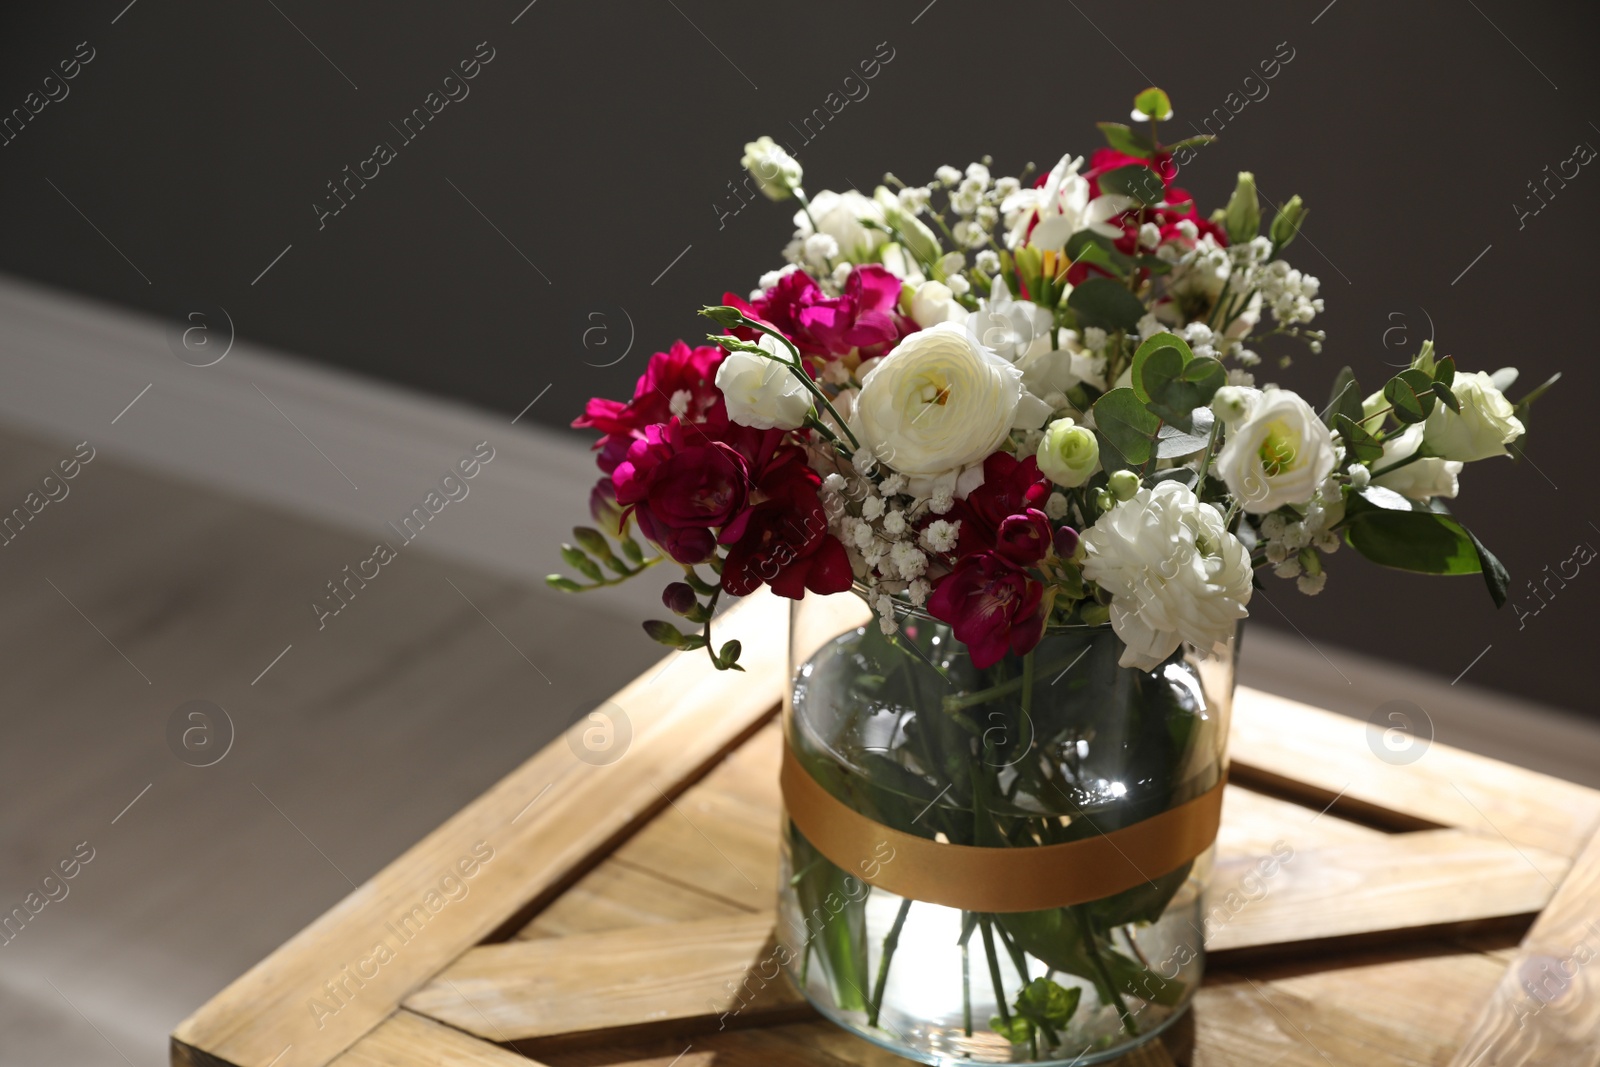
{"x":1068,"y":453}
{"x":1484,"y":427}
{"x":1174,"y":573}
{"x":763,"y":393}
{"x":1420,"y":478}
{"x":776,"y":172}
{"x":1280,"y":453}
{"x":840,"y":216}
{"x":934,"y":303}
{"x":940,"y":402}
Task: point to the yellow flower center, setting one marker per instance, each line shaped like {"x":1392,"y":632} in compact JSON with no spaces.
{"x":1278,"y":449}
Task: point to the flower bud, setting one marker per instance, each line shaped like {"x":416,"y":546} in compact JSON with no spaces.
{"x":1123,"y":484}
{"x":1068,"y":453}
{"x":1286,"y":226}
{"x":1242,"y":217}
{"x":1232,"y":403}
{"x":1104,"y":500}
{"x":1360,"y":476}
{"x":776,"y":172}
{"x":679,"y":598}
{"x":1066,"y":541}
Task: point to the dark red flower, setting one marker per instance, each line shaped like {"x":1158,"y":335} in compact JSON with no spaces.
{"x":864,"y":316}
{"x":783,"y":542}
{"x":680,"y":381}
{"x":1024,"y":538}
{"x":992,"y":607}
{"x":1010,"y":487}
{"x":681,"y":484}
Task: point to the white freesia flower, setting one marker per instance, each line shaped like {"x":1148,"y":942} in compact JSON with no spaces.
{"x":940,"y":402}
{"x":1011,"y":328}
{"x":1174,"y":573}
{"x":1068,"y":453}
{"x":1419,"y":479}
{"x":1280,"y":453}
{"x":1062,"y":207}
{"x":934,"y":303}
{"x":1483,"y":429}
{"x":776,"y":172}
{"x":842,"y":216}
{"x":763,"y":393}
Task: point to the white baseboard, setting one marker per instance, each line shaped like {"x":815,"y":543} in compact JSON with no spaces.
{"x":69,"y":366}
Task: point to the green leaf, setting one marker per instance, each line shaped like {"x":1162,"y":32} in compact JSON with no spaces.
{"x":1153,"y":104}
{"x":1125,"y":140}
{"x":1446,"y":397}
{"x":1147,"y":349}
{"x":1361,"y":445}
{"x":1018,"y":1031}
{"x":1345,"y":398}
{"x":1047,"y":1003}
{"x":1144,"y":903}
{"x":563,"y":583}
{"x":1135,"y":180}
{"x":1410,"y":394}
{"x":1177,"y":400}
{"x":1494,"y":572}
{"x":1127,"y":430}
{"x":1172,"y":442}
{"x":1106,"y":303}
{"x":1444,"y":371}
{"x":1086,"y":246}
{"x":1196,"y":141}
{"x":1390,"y":532}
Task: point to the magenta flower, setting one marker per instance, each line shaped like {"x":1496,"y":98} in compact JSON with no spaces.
{"x":863,"y":316}
{"x":1023,"y":539}
{"x":993,"y":607}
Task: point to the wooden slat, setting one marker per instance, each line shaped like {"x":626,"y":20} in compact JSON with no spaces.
{"x":546,"y":822}
{"x":707,"y":975}
{"x":1545,"y":1009}
{"x":1317,"y":756}
{"x":407,"y":1040}
{"x":1252,"y":823}
{"x":1413,"y":882}
{"x":618,"y":896}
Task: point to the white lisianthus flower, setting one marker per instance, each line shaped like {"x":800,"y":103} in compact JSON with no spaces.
{"x":776,"y":172}
{"x":763,"y":393}
{"x":940,"y":402}
{"x":1483,"y":429}
{"x":1174,"y":573}
{"x":1420,"y":479}
{"x":1068,"y":454}
{"x":840,"y":216}
{"x":934,"y":303}
{"x":1280,"y":453}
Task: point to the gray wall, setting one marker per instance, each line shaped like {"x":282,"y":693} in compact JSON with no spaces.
{"x":596,"y":147}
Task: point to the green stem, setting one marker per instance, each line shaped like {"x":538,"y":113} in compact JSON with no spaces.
{"x":984,"y":696}
{"x":1099,"y":964}
{"x":966,"y":991}
{"x":890,"y":943}
{"x":601,"y":583}
{"x":994,"y":974}
{"x":1205,"y":461}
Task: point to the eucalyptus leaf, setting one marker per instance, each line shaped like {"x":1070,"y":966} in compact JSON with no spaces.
{"x":1361,"y":445}
{"x":1134,"y":180}
{"x":1345,"y":399}
{"x":1410,"y":394}
{"x":1106,"y":303}
{"x":1150,"y":347}
{"x":1125,"y":140}
{"x":1127,"y":426}
{"x":1173,"y":442}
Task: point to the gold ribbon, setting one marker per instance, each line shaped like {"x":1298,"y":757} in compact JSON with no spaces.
{"x":984,"y":879}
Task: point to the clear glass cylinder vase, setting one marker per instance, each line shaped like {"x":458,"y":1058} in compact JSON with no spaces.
{"x":1057,"y":746}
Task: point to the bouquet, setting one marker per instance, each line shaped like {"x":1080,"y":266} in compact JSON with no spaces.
{"x":1020,"y":417}
{"x":1015,"y":402}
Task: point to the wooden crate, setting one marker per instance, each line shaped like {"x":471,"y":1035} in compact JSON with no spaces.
{"x":1444,"y":911}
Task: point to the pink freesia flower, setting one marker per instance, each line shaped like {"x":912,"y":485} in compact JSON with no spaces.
{"x":864,"y":316}
{"x":993,"y":607}
{"x":680,"y":484}
{"x":680,"y":381}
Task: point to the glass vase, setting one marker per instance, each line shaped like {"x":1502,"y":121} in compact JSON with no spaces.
{"x":925,"y":928}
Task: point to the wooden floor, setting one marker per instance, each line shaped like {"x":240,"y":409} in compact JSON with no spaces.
{"x":359,"y":740}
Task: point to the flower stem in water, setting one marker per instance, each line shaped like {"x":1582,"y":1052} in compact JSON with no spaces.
{"x":1099,"y":965}
{"x":890,"y":943}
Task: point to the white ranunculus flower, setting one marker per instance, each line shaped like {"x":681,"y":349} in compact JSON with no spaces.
{"x":1279,"y":454}
{"x":1174,"y":573}
{"x":1068,"y":453}
{"x":1419,"y":479}
{"x":1062,"y":207}
{"x":1484,"y":427}
{"x":934,"y":303}
{"x":763,"y":393}
{"x":840,"y":216}
{"x":776,"y":172}
{"x":940,"y":402}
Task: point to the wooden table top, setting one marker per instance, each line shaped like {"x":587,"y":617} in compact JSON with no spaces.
{"x":1440,"y":911}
